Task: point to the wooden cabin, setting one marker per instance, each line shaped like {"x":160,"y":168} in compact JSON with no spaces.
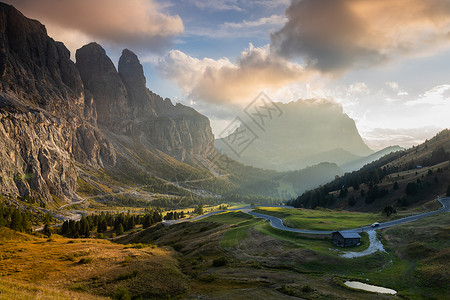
{"x":346,"y":238}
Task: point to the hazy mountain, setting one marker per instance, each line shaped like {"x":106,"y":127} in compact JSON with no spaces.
{"x":359,"y":163}
{"x":305,"y":133}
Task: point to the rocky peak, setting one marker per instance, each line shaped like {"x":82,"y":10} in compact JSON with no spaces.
{"x":100,"y":77}
{"x":36,"y":68}
{"x":132,"y":74}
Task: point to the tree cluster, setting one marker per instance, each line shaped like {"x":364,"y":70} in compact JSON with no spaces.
{"x":100,"y":223}
{"x":15,"y":218}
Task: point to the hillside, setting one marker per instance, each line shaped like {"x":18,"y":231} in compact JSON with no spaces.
{"x":85,"y":269}
{"x":407,"y":178}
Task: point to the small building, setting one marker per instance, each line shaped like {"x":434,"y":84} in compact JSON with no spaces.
{"x":346,"y":238}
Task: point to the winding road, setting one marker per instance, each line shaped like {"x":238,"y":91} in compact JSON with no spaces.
{"x":278,"y":223}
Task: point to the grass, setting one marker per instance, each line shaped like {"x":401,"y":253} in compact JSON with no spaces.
{"x":228,"y":218}
{"x":91,"y":265}
{"x":420,"y":254}
{"x":320,"y":219}
{"x":10,"y":289}
{"x":233,"y":236}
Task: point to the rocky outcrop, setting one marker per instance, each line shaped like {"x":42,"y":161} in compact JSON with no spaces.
{"x":132,"y":74}
{"x":55,"y":114}
{"x":125,"y":105}
{"x":100,"y":78}
{"x":47,"y":120}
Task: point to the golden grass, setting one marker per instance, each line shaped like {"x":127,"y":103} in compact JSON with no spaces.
{"x":10,"y":290}
{"x":87,"y":265}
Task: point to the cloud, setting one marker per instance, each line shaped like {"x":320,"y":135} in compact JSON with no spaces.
{"x":437,"y":96}
{"x":272,"y":20}
{"x":138,"y":23}
{"x":396,"y":88}
{"x":260,"y":27}
{"x":380,"y":138}
{"x":217,"y":5}
{"x":224,"y":82}
{"x":336,"y":35}
{"x":238,"y":5}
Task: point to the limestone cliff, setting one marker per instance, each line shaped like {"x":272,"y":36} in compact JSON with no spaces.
{"x":125,"y":105}
{"x":55,"y":115}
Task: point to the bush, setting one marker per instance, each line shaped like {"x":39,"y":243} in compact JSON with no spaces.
{"x":220,"y":262}
{"x":307,"y":289}
{"x":85,"y":260}
{"x":122,"y":294}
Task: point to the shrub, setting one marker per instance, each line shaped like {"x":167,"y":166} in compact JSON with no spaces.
{"x":122,"y":294}
{"x":307,"y":289}
{"x":85,"y":260}
{"x":220,"y":262}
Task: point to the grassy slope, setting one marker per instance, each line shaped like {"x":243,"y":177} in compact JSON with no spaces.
{"x":86,"y":265}
{"x":10,"y":289}
{"x":420,"y":252}
{"x":321,"y":219}
{"x":261,"y":262}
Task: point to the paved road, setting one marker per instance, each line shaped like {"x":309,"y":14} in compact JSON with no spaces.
{"x":278,"y":223}
{"x":445,"y":201}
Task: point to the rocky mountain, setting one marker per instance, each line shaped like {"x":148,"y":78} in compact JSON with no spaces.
{"x":56,"y":116}
{"x":306,"y":133}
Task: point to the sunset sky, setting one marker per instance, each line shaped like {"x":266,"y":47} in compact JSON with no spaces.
{"x":386,"y":62}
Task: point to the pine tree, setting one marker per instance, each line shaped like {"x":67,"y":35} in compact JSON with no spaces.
{"x":47,"y":230}
{"x":120,"y":229}
{"x":65,"y":227}
{"x":396,"y":185}
{"x":16,"y":220}
{"x":147,"y":221}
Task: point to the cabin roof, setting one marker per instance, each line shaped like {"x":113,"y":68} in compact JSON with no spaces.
{"x":349,"y":234}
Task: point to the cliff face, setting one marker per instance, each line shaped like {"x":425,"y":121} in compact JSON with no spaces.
{"x":125,"y":105}
{"x":54,"y":114}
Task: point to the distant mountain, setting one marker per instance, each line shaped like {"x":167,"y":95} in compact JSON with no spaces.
{"x":357,"y":164}
{"x":307,"y":132}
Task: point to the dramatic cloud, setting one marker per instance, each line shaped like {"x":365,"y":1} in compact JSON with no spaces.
{"x":337,"y":35}
{"x":138,"y":23}
{"x":223,"y":82}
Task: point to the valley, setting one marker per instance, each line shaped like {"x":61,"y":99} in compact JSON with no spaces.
{"x":110,"y":191}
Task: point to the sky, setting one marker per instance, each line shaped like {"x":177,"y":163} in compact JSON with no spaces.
{"x":387,"y":63}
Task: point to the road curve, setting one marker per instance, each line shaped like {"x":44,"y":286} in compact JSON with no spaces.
{"x":278,"y":223}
